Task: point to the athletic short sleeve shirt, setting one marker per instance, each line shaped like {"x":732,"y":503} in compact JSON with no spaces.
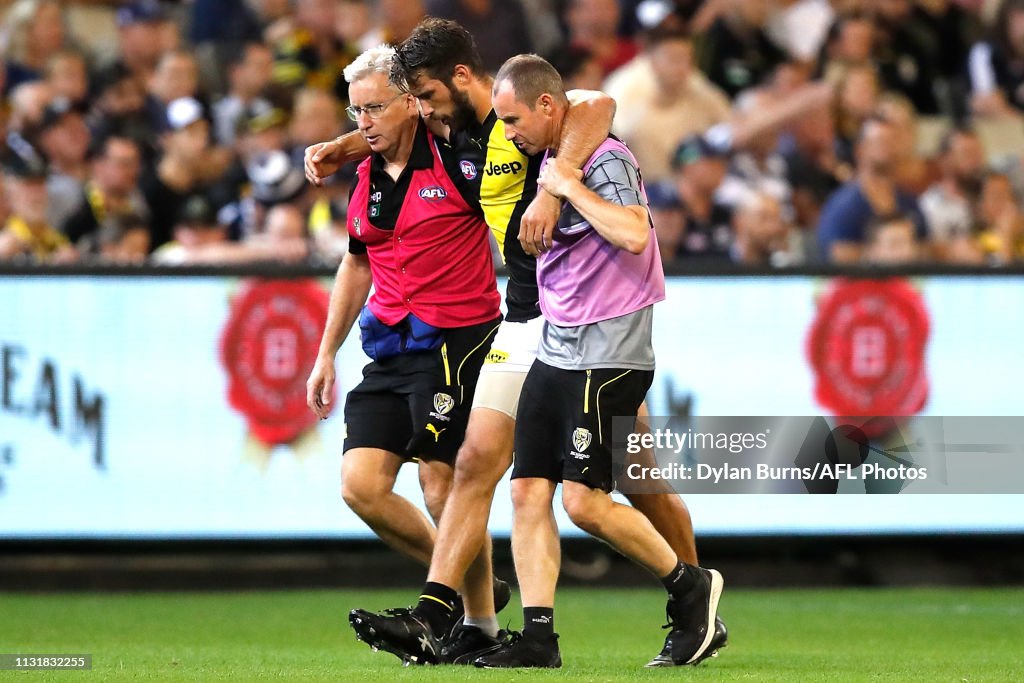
{"x":621,"y":342}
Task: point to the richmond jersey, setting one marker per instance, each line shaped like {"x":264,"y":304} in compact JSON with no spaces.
{"x":508,"y":183}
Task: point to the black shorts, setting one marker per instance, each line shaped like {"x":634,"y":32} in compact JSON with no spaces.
{"x":416,"y":405}
{"x":564,"y":426}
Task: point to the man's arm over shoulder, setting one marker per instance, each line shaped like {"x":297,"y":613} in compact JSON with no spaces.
{"x":323,"y":159}
{"x":587,"y":123}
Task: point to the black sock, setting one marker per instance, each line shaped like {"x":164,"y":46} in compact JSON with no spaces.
{"x":539,"y":622}
{"x":436,"y":606}
{"x":679,"y":580}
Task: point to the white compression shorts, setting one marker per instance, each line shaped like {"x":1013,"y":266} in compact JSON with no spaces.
{"x":512,"y":354}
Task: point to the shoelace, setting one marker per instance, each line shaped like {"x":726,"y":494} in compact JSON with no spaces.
{"x":398,"y":611}
{"x":668,"y":614}
{"x":513,"y":637}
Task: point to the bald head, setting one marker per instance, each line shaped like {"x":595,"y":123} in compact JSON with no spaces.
{"x":530,"y":77}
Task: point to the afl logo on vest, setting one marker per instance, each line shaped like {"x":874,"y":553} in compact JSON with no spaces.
{"x":433,"y":193}
{"x":468,"y":169}
{"x":866,"y":347}
{"x":268,"y":348}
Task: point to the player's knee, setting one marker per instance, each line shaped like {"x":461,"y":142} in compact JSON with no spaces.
{"x":478,"y":467}
{"x":528,"y":498}
{"x":355,"y":498}
{"x":361,"y":495}
{"x":583,"y":509}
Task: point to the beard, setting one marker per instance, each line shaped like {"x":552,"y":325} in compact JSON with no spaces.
{"x":463,"y":112}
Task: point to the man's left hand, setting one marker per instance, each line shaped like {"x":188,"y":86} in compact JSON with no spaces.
{"x":558,"y":178}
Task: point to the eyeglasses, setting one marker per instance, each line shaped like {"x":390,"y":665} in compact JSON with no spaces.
{"x":374,"y":111}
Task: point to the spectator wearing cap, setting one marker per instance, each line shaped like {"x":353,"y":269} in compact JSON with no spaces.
{"x":262,"y":130}
{"x":662,"y":98}
{"x":842,"y":227}
{"x":63,"y":138}
{"x":688,"y":222}
{"x":26,"y":234}
{"x":249,"y":72}
{"x":195,"y":230}
{"x":180,"y":172}
{"x":35,"y":32}
{"x":273,"y":180}
{"x":949,"y":204}
{"x":141,"y":41}
{"x":112,"y":189}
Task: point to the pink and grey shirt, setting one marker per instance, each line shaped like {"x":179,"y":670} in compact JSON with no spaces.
{"x":597,"y":299}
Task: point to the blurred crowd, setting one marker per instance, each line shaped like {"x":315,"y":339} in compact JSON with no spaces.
{"x":770,"y":132}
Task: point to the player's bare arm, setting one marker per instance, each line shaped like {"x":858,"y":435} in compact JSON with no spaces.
{"x":587,"y":123}
{"x":351,"y":287}
{"x":627,"y":227}
{"x":323,"y":159}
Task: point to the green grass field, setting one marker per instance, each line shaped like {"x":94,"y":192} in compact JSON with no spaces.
{"x":607,"y":635}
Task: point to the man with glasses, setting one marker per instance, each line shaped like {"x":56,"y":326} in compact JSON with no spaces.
{"x":417,"y":235}
{"x":439,"y":64}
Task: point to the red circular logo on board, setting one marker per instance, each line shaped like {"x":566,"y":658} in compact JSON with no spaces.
{"x":268,"y":348}
{"x":867,"y":348}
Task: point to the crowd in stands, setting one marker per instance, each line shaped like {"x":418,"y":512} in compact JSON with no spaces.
{"x":770,"y":133}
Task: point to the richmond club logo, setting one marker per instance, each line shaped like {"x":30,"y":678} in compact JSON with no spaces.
{"x":443,"y":403}
{"x":581,"y":438}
